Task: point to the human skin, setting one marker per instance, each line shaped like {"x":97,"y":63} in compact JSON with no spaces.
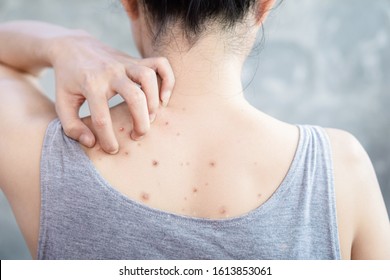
{"x":86,"y":69}
{"x":209,"y":153}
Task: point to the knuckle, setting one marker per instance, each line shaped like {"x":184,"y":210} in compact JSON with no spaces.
{"x":100,"y":121}
{"x":71,"y":129}
{"x":136,"y":98}
{"x":148,"y":74}
{"x":163,"y":61}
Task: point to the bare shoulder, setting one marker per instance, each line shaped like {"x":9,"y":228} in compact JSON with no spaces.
{"x":364,"y":228}
{"x":24,"y":116}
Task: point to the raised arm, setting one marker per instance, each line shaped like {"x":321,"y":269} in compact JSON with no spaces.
{"x":86,"y":69}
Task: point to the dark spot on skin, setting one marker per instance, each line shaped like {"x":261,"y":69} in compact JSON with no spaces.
{"x":121,"y":129}
{"x":206,"y":184}
{"x":255,"y":163}
{"x":187,"y":163}
{"x":126,"y":153}
{"x":183,"y":109}
{"x":166,"y":123}
{"x":178,"y":134}
{"x":222,"y":210}
{"x":185,"y":198}
{"x":259,"y":195}
{"x":212,"y":163}
{"x":155,"y":162}
{"x":181,"y":164}
{"x":145,"y":196}
{"x":139,"y":144}
{"x":194,"y":190}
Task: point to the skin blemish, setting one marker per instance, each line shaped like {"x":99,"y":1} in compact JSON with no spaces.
{"x":187,"y":163}
{"x":121,"y":129}
{"x":259,"y":195}
{"x":194,"y":190}
{"x":166,"y":123}
{"x":212,"y":163}
{"x":178,"y":134}
{"x":206,"y":184}
{"x":185,"y":198}
{"x":139,"y":144}
{"x":222,"y":210}
{"x":181,"y":164}
{"x":255,"y":163}
{"x":155,"y":163}
{"x":145,"y":196}
{"x":183,"y":109}
{"x":126,"y":153}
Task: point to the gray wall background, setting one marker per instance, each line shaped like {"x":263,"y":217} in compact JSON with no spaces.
{"x":323,"y":62}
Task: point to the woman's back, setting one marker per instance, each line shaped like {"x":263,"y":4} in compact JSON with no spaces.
{"x":204,"y":162}
{"x":220,"y":198}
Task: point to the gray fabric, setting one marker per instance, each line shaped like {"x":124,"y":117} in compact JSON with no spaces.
{"x":83,"y":217}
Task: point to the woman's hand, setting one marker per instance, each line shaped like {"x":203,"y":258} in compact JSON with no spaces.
{"x":86,"y":69}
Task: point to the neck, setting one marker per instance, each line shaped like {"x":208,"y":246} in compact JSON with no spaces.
{"x":206,"y":76}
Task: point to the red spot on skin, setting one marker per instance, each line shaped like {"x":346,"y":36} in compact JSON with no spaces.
{"x":212,"y":163}
{"x":126,"y":153}
{"x":222,"y":211}
{"x":194,"y":190}
{"x":178,"y":134}
{"x":206,"y":184}
{"x":155,"y":162}
{"x":145,"y":196}
{"x":183,"y":109}
{"x":259,"y":195}
{"x":121,"y":129}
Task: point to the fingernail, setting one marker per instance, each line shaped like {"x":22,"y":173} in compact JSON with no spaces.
{"x":165,"y":102}
{"x":152,"y":117}
{"x":135,"y":137}
{"x":86,"y":140}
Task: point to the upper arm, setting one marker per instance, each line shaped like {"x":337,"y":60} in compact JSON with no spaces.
{"x":24,"y":116}
{"x":361,"y":211}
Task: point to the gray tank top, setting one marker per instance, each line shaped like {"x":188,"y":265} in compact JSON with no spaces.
{"x":84,"y":217}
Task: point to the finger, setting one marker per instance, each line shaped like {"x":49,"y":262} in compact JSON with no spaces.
{"x":68,"y":112}
{"x":147,"y":78}
{"x":136,"y":101}
{"x":163,"y":68}
{"x":102,"y":124}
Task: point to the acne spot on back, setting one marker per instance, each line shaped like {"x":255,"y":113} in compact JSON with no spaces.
{"x":194,"y":190}
{"x":222,"y":210}
{"x":155,"y":163}
{"x":145,"y":196}
{"x":126,"y":153}
{"x":121,"y":129}
{"x":166,"y":123}
{"x":212,"y":163}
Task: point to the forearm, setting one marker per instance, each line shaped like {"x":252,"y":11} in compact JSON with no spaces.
{"x":27,"y":45}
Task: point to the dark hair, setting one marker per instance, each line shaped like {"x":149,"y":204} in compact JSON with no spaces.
{"x":194,"y":15}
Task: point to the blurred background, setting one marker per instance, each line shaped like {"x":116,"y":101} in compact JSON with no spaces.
{"x":322,"y":62}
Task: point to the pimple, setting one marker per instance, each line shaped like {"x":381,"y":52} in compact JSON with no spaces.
{"x":145,"y":196}
{"x":222,"y":210}
{"x":259,"y":195}
{"x":121,"y":129}
{"x":212,"y":163}
{"x":194,"y":190}
{"x":155,"y":162}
